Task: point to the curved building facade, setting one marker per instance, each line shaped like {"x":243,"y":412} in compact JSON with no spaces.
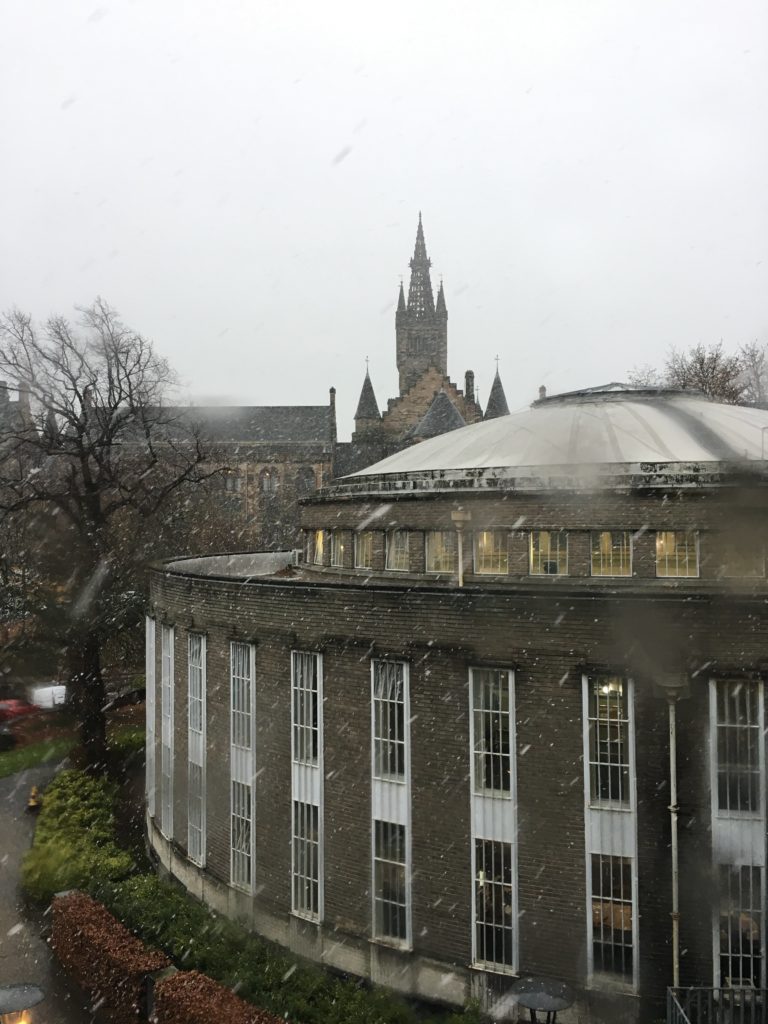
{"x":433,"y":749}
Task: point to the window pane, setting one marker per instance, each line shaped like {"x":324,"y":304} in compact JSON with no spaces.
{"x":305,"y":858}
{"x":549,"y":553}
{"x":305,"y":707}
{"x":741,"y":926}
{"x":241,"y":835}
{"x":612,"y":932}
{"x":494,"y":927}
{"x":677,"y":553}
{"x":738,"y":747}
{"x":612,"y":553}
{"x":364,"y":550}
{"x":241,"y":695}
{"x":397,"y":551}
{"x":319,"y":547}
{"x":608,"y":741}
{"x":491,"y":552}
{"x":491,"y":730}
{"x":441,"y":551}
{"x":337,"y":548}
{"x":389,"y":881}
{"x":389,"y":720}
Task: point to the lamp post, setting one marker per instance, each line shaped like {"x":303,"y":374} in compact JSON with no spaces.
{"x":460,"y":519}
{"x":15,"y":1000}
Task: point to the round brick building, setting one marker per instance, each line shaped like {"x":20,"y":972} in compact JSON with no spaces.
{"x":433,"y":748}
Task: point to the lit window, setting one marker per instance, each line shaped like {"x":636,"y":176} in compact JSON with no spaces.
{"x":196,"y":747}
{"x":612,"y":915}
{"x":549,"y":553}
{"x":677,"y":553}
{"x":318,"y":547}
{"x":491,"y":555}
{"x":398,"y":558}
{"x":269,"y":480}
{"x":608,"y":741}
{"x":741,"y":926}
{"x":494,"y":922}
{"x":389,"y":734}
{"x":491,"y":730}
{"x":305,"y":680}
{"x":739,"y":735}
{"x":740,"y":555}
{"x":390,"y":897}
{"x":306,"y":860}
{"x":612,"y":553}
{"x":364,"y":550}
{"x":337,"y":547}
{"x":441,"y":551}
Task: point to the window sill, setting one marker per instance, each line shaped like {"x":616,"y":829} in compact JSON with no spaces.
{"x":610,"y":983}
{"x":397,"y":945}
{"x":485,"y":968}
{"x":301,"y":915}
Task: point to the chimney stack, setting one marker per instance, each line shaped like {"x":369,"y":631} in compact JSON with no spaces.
{"x":469,"y":386}
{"x":542,"y":392}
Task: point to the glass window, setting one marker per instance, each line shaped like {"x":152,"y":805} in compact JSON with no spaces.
{"x":306,"y":861}
{"x":549,"y":553}
{"x":318,"y":547}
{"x":491,"y":555}
{"x":494,"y":926}
{"x":166,"y":730}
{"x":305,"y":707}
{"x":608,"y":740}
{"x":241,"y":834}
{"x":269,"y":480}
{"x":195,"y":678}
{"x":233,"y":482}
{"x":612,"y":553}
{"x":441,"y":551}
{"x":739,"y":736}
{"x":741,"y":926}
{"x":364,"y":549}
{"x":390,"y":898}
{"x":612,"y":926}
{"x":491,"y":731}
{"x":195,"y":747}
{"x":337,"y":547}
{"x":398,"y":558}
{"x":740,"y":556}
{"x":677,"y":553}
{"x":241,"y":670}
{"x":389,"y":733}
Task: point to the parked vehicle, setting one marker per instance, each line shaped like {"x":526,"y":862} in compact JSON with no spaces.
{"x":16,"y":708}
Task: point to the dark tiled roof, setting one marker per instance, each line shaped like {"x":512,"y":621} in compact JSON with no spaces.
{"x":439,"y":418}
{"x":497,"y":400}
{"x":276,"y":424}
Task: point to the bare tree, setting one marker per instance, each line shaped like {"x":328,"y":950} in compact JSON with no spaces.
{"x":708,"y":369}
{"x":754,"y":373}
{"x":93,"y":462}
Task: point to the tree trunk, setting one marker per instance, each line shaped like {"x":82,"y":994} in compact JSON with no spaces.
{"x":89,"y":699}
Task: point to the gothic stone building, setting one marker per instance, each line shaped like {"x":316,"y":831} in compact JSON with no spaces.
{"x":436,"y":752}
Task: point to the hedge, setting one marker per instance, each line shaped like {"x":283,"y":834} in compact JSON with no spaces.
{"x":75,"y":840}
{"x":190,"y":998}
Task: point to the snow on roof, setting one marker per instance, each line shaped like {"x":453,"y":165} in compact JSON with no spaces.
{"x":613,"y":426}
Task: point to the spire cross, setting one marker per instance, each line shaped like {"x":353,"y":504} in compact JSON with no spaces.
{"x":366,"y":364}
{"x":497,"y":364}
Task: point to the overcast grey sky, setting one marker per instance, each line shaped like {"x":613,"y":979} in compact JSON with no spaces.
{"x":242,"y":181}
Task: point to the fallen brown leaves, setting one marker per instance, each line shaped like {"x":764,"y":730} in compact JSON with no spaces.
{"x":192,"y":998}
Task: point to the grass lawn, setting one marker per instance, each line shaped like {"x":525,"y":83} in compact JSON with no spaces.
{"x":51,"y":737}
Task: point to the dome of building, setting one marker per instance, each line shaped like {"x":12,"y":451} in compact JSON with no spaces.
{"x":610,"y":432}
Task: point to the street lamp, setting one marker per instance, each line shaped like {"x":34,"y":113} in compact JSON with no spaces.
{"x":15,"y":1000}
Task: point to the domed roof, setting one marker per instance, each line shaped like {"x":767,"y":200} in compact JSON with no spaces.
{"x":615,"y":434}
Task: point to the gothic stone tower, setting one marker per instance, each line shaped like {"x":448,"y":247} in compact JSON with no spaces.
{"x":421,"y":328}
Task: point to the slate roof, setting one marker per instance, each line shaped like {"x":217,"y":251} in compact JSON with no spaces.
{"x":497,"y":400}
{"x":367,"y":407}
{"x":259,"y":424}
{"x":441,"y":417}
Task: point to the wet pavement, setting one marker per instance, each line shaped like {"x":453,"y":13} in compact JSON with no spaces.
{"x":24,"y":953}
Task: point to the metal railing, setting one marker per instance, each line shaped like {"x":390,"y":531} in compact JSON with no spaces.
{"x":717,"y":1006}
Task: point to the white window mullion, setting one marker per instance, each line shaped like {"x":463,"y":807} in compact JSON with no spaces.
{"x":307,"y":784}
{"x":151,"y":710}
{"x":166,"y":730}
{"x":391,"y":840}
{"x":196,"y":740}
{"x":242,"y":764}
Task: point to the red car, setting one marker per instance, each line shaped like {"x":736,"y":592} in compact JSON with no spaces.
{"x":14,"y":708}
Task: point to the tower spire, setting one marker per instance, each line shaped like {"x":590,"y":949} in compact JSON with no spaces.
{"x":421,"y":302}
{"x":497,"y":400}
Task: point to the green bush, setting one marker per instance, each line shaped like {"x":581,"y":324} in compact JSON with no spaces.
{"x":75,"y":843}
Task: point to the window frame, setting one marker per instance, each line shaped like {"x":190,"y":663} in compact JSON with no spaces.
{"x":476,"y":558}
{"x":533,"y":556}
{"x":697,"y":553}
{"x":390,"y":536}
{"x":431,"y":555}
{"x":357,"y":538}
{"x":167,"y":753}
{"x":242,"y":733}
{"x":318,"y":550}
{"x":307,"y":782}
{"x":611,"y":575}
{"x":196,"y":748}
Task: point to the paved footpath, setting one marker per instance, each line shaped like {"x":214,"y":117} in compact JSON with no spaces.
{"x":24,"y":953}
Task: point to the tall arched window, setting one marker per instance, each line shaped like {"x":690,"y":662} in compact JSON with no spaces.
{"x":268,"y":480}
{"x":306,"y":482}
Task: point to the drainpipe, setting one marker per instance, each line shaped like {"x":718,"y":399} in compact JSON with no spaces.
{"x":460,"y":519}
{"x":673,"y":813}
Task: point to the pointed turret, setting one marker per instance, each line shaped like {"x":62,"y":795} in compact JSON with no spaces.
{"x":401,"y":300}
{"x":367,"y":417}
{"x":440,"y":417}
{"x":440,"y":308}
{"x":422,"y":330}
{"x":497,"y":400}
